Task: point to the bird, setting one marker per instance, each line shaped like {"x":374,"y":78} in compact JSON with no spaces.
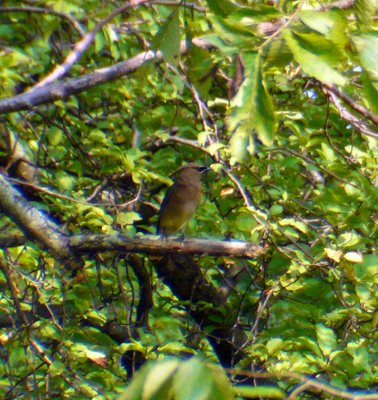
{"x":181,"y":200}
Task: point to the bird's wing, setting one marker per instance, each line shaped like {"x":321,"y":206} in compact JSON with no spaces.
{"x":163,"y":204}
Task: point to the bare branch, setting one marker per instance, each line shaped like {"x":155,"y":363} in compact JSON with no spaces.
{"x":84,"y":244}
{"x":181,"y":4}
{"x":7,"y":241}
{"x":357,"y":123}
{"x":39,"y":228}
{"x":41,"y":10}
{"x":316,"y":384}
{"x":62,"y":90}
{"x":36,"y":225}
{"x":351,"y":103}
{"x":80,"y":47}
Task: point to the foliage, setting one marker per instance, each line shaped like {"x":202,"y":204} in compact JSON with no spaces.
{"x":303,"y":155}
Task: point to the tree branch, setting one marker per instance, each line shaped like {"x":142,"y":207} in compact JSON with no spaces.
{"x":205,"y":303}
{"x":38,"y":227}
{"x":31,"y":221}
{"x":12,"y":240}
{"x":62,"y":90}
{"x":41,"y":10}
{"x":178,"y":270}
{"x":81,"y":46}
{"x":155,"y":245}
{"x":351,"y":103}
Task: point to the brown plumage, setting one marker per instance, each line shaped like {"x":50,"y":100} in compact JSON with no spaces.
{"x":181,"y":200}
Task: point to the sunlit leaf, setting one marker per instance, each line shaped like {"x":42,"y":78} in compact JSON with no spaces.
{"x":159,"y":380}
{"x":365,"y":10}
{"x":315,"y":56}
{"x":253,"y":392}
{"x":196,"y":379}
{"x":252,"y":106}
{"x":334,"y":255}
{"x":331,"y":24}
{"x":353,"y":257}
{"x":360,"y":355}
{"x":367,"y":47}
{"x":326,"y":339}
{"x":167,"y":40}
{"x":221,"y":7}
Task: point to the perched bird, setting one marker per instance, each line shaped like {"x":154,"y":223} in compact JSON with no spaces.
{"x":181,"y":200}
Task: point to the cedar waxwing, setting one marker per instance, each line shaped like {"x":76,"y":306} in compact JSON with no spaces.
{"x":181,"y":200}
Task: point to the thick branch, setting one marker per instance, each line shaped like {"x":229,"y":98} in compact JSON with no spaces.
{"x":205,"y":303}
{"x":176,"y":268}
{"x":38,"y":227}
{"x":31,"y":221}
{"x":62,"y":90}
{"x":155,"y":245}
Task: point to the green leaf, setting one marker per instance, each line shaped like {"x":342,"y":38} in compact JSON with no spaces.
{"x":65,"y":182}
{"x":54,"y":136}
{"x":276,"y":209}
{"x":196,"y":379}
{"x":326,"y":339}
{"x":239,"y":145}
{"x":278,"y":54}
{"x":64,"y":6}
{"x":352,"y":191}
{"x":99,"y":43}
{"x":159,"y":380}
{"x":328,"y":153}
{"x":231,"y":36}
{"x":301,"y":226}
{"x":132,"y":346}
{"x":266,"y":392}
{"x":56,"y":368}
{"x":221,"y":7}
{"x":367,"y":270}
{"x":315,"y":55}
{"x":250,"y":16}
{"x":311,"y":345}
{"x":365,"y":10}
{"x":128,"y":218}
{"x":367,"y":297}
{"x":348,"y":239}
{"x":371,"y":92}
{"x":336,"y":317}
{"x":274,"y":345}
{"x":353,"y":257}
{"x":360,"y":355}
{"x":98,"y":136}
{"x":135,"y":390}
{"x":214,"y":147}
{"x":330,"y":24}
{"x":367,"y":47}
{"x":252,"y":107}
{"x":167,"y":40}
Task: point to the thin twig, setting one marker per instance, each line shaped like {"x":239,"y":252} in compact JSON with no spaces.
{"x":84,"y":43}
{"x":314,"y":383}
{"x":49,"y":192}
{"x":281,"y":28}
{"x":356,"y":122}
{"x":30,"y":9}
{"x":181,"y":4}
{"x":125,"y":301}
{"x":351,"y":103}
